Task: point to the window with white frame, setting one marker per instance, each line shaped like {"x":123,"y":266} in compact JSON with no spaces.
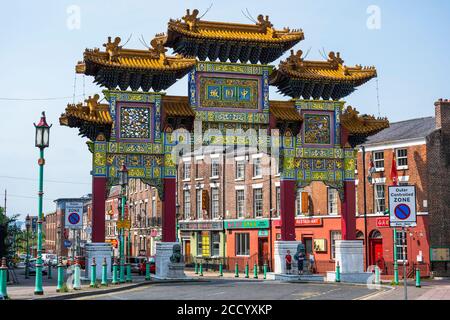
{"x":215,"y":203}
{"x":278,"y":201}
{"x":240,"y":169}
{"x":154,"y":207}
{"x":214,"y":167}
{"x":198,"y":203}
{"x":197,"y":169}
{"x":402,"y":252}
{"x":199,"y":244}
{"x":215,"y":244}
{"x":186,"y":170}
{"x":334,"y":235}
{"x":242,"y":244}
{"x":380,"y":201}
{"x":240,"y":203}
{"x":378,"y":159}
{"x":258,"y":202}
{"x":402,"y":157}
{"x":332,"y":201}
{"x":298,"y":202}
{"x":257,"y":172}
{"x":187,"y":203}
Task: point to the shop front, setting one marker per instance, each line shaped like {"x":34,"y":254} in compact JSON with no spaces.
{"x":248,"y":241}
{"x":202,"y":241}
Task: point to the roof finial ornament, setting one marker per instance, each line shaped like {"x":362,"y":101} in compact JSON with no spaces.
{"x":335,"y":58}
{"x":113,"y":48}
{"x":158,"y":47}
{"x":92,"y":103}
{"x":264,"y":23}
{"x":191,"y":19}
{"x":295,"y":59}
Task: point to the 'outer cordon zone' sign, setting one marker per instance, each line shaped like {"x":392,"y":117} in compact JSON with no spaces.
{"x":402,"y":206}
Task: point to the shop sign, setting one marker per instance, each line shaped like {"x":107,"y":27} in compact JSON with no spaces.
{"x":263,"y":233}
{"x":207,"y":225}
{"x":302,"y":222}
{"x":247,"y":224}
{"x":382,"y":222}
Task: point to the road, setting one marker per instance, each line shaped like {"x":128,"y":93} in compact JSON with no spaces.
{"x":227,"y":289}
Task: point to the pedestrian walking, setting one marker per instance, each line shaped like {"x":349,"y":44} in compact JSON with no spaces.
{"x":300,"y":260}
{"x":311,"y":262}
{"x":288,"y":260}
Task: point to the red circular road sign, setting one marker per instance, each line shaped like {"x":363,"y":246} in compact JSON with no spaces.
{"x":402,"y":211}
{"x":73,"y":218}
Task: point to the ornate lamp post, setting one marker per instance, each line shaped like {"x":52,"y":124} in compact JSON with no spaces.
{"x":41,"y":141}
{"x":27,"y":259}
{"x":123,"y":181}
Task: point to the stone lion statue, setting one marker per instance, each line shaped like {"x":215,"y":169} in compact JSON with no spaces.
{"x":176,"y":256}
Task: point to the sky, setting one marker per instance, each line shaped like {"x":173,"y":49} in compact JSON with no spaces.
{"x":406,"y":40}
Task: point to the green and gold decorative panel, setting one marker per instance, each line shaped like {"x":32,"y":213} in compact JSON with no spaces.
{"x":317,"y":129}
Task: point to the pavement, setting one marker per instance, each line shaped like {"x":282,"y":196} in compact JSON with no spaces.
{"x":429,"y":290}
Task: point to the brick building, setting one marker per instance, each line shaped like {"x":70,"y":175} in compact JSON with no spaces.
{"x":50,"y":232}
{"x":111,"y":217}
{"x":438,"y":173}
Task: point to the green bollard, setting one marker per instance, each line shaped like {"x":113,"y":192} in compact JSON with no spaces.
{"x":255,"y":271}
{"x":201,"y":270}
{"x":418,"y":278}
{"x":395,"y":273}
{"x":115,"y":270}
{"x":196,"y":268}
{"x":147,"y":270}
{"x":377,"y":275}
{"x":265,"y":270}
{"x":220,"y":270}
{"x":3,"y":278}
{"x":129,"y":279}
{"x":104,"y":273}
{"x":49,"y":272}
{"x":93,"y":273}
{"x":60,"y":271}
{"x":76,"y":277}
{"x":338,"y":272}
{"x":236,"y":270}
{"x":246,"y":270}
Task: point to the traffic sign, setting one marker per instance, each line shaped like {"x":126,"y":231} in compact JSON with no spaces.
{"x":67,"y":243}
{"x":402,"y":206}
{"x":74,"y":215}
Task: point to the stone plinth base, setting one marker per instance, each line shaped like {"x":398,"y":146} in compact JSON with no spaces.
{"x":304,"y":277}
{"x":357,"y":277}
{"x":164,"y":268}
{"x":350,"y":254}
{"x":280,"y":251}
{"x":98,"y":251}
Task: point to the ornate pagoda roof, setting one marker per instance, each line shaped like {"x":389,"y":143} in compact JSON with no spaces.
{"x":296,"y":77}
{"x":284,"y":111}
{"x":177,"y":106}
{"x":360,"y":127}
{"x":91,"y":118}
{"x":194,"y":37}
{"x":123,"y":68}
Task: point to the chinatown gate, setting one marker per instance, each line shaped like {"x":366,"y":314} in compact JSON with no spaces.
{"x":313,"y":135}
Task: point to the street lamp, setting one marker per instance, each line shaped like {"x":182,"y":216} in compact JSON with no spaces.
{"x":41,"y":141}
{"x":27,"y":259}
{"x":123,"y":181}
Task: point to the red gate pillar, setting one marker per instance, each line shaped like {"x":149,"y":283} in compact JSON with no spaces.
{"x":287,"y":210}
{"x":169,"y":210}
{"x":348,"y":211}
{"x":98,"y":208}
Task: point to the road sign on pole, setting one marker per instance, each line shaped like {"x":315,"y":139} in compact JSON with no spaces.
{"x":74,"y":215}
{"x":402,"y":206}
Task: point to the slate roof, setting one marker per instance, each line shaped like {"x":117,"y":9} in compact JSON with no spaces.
{"x":404,"y":130}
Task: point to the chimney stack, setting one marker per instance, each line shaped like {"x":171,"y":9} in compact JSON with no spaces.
{"x":442,"y":112}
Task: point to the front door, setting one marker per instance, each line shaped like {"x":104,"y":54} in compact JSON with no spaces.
{"x":308,"y":246}
{"x":187,"y":249}
{"x":376,"y":253}
{"x":263,"y":251}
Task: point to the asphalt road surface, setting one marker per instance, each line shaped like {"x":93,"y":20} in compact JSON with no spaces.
{"x":240,"y":290}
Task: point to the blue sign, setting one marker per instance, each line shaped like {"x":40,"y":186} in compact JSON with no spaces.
{"x":402,"y":211}
{"x":74,"y":218}
{"x":67,"y":243}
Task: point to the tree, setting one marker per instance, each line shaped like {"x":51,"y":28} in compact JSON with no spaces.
{"x":8,"y":229}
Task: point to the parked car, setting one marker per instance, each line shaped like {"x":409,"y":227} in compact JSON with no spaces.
{"x":136,"y":263}
{"x":142,"y":266}
{"x":50,"y":258}
{"x":32,"y":268}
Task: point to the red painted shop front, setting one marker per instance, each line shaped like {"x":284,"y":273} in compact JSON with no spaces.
{"x":319,"y":233}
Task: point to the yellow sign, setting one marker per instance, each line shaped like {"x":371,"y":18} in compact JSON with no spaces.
{"x":123,"y":224}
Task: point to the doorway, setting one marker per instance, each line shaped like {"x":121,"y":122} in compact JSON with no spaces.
{"x":376,"y":249}
{"x":187,"y":250}
{"x":263,"y":251}
{"x":308,"y":242}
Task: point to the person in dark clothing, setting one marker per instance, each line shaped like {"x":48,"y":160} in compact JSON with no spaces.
{"x":300,"y":260}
